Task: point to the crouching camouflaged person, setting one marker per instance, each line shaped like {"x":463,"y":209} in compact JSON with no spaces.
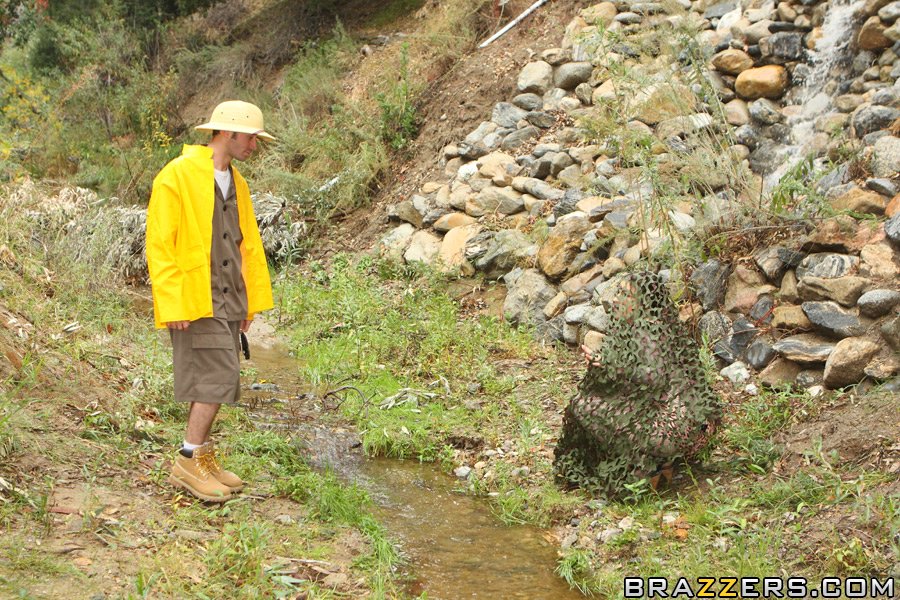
{"x":209,"y":277}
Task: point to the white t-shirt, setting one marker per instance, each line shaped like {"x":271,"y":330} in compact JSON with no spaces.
{"x":223,"y":180}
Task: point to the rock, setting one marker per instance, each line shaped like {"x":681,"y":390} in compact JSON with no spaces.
{"x":828,"y":317}
{"x":452,"y":220}
{"x":507,"y":115}
{"x":737,"y":373}
{"x":879,"y":261}
{"x":537,"y":188}
{"x":423,"y":247}
{"x":774,"y":261}
{"x":847,"y":362}
{"x":762,"y":310}
{"x":600,"y":14}
{"x":883,"y":367}
{"x":561,"y":246}
{"x":765,"y":111}
{"x":788,"y":291}
{"x":526,"y":298}
{"x":860,"y":201}
{"x":890,"y":12}
{"x":394,"y":244}
{"x":452,"y":254}
{"x":709,"y":282}
{"x":804,"y":348}
{"x":496,"y":164}
{"x":714,"y":326}
{"x":528,"y":102}
{"x":556,"y":305}
{"x":871,"y":35}
{"x":505,"y":251}
{"x":408,"y":211}
{"x":827,"y":265}
{"x":845,"y":290}
{"x":492,"y":199}
{"x":892,"y":228}
{"x":536,"y":77}
{"x":732,"y":61}
{"x":737,"y":113}
{"x":877,"y":303}
{"x":787,"y":45}
{"x":462,"y":472}
{"x":682,"y":126}
{"x":720,"y":9}
{"x":569,"y":75}
{"x":886,"y":162}
{"x":760,"y":353}
{"x":870,"y":118}
{"x":780,"y":372}
{"x":769,"y":81}
{"x":791,"y":318}
{"x":540,"y":119}
{"x":584,"y":92}
{"x":745,"y":286}
{"x":893,"y":207}
{"x":519,"y":137}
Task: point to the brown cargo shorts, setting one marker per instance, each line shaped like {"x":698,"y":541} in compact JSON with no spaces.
{"x":206,"y":361}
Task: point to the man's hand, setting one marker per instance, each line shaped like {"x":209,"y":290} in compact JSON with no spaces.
{"x":588,"y":355}
{"x":245,"y":325}
{"x":180,"y":325}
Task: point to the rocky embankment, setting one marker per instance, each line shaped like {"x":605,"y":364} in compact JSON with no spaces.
{"x":654,"y":125}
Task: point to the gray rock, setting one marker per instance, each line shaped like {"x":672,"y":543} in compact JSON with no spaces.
{"x":719,"y":10}
{"x":598,"y":319}
{"x":535,"y":77}
{"x":507,"y":115}
{"x":762,"y":310}
{"x":504,"y":252}
{"x":472,"y":151}
{"x":577,"y":314}
{"x":827,"y":265}
{"x":890,"y":12}
{"x":737,"y":373}
{"x":526,"y":299}
{"x":784,"y":44}
{"x":537,"y":188}
{"x":886,"y":96}
{"x":882,"y":185}
{"x":714,"y":326}
{"x":493,"y":199}
{"x":877,"y":303}
{"x":890,"y":331}
{"x":568,"y":76}
{"x":709,"y":282}
{"x":519,"y":137}
{"x":868,"y":119}
{"x":835,"y":177}
{"x":743,"y":332}
{"x":770,"y":262}
{"x":766,"y":157}
{"x":628,"y":18}
{"x":887,"y":158}
{"x":760,"y":353}
{"x":805,"y":348}
{"x":560,"y":161}
{"x":540,"y":119}
{"x":528,"y":102}
{"x":765,"y":111}
{"x":462,"y":472}
{"x":584,"y":92}
{"x":551,"y":331}
{"x":828,"y":317}
{"x":543,"y":149}
{"x":568,"y":203}
{"x":542,"y":168}
{"x":892,"y":228}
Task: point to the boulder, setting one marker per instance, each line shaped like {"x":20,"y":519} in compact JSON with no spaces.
{"x":860,"y":201}
{"x":536,"y":77}
{"x":507,"y":115}
{"x":847,"y":362}
{"x":394,"y":244}
{"x":886,"y":162}
{"x":506,"y":250}
{"x":732,"y":61}
{"x":780,"y":372}
{"x":452,"y":221}
{"x":527,"y":297}
{"x":493,"y":199}
{"x":871,"y":35}
{"x":562,"y":245}
{"x":769,"y":81}
{"x":423,"y":247}
{"x":567,"y":76}
{"x":870,"y":118}
{"x":709,"y":281}
{"x":745,"y":286}
{"x":845,"y":290}
{"x":519,"y":137}
{"x":537,"y":188}
{"x":827,"y":265}
{"x":877,"y":303}
{"x":452,"y":254}
{"x":828,"y":317}
{"x":791,"y":318}
{"x":805,"y":348}
{"x":879,"y":261}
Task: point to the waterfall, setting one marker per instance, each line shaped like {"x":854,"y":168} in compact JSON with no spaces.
{"x":831,"y":50}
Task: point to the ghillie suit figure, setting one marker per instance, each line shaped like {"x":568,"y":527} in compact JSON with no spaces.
{"x":644,"y":401}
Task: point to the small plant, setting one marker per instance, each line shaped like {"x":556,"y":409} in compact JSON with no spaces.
{"x":399,"y":123}
{"x":575,"y":568}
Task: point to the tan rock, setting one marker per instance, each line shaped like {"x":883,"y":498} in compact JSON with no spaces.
{"x":790,"y":317}
{"x":871,"y":35}
{"x":843,"y":290}
{"x":847,"y":362}
{"x":879,"y":261}
{"x":769,"y":81}
{"x":862,"y":201}
{"x":452,"y":254}
{"x":423,"y":247}
{"x":745,"y":286}
{"x":737,"y":113}
{"x":732,"y":61}
{"x":452,"y":221}
{"x":430,"y":187}
{"x":593,"y":340}
{"x":561,"y":246}
{"x":556,"y":305}
{"x":600,"y":14}
{"x":780,"y":372}
{"x":893,"y":207}
{"x":495,"y":164}
{"x":606,"y":92}
{"x":576,"y":284}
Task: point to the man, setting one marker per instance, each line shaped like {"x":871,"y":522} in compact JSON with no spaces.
{"x":209,"y":277}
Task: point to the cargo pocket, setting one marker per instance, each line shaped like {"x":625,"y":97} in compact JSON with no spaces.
{"x":215,"y":367}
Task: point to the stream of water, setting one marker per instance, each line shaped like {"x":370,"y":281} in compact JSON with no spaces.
{"x":456,"y":547}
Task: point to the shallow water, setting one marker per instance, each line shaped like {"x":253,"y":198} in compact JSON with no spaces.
{"x":455,"y":546}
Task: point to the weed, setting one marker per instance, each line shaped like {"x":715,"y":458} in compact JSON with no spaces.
{"x":575,"y":568}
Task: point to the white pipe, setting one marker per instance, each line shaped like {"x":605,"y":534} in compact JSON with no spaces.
{"x":513,"y":23}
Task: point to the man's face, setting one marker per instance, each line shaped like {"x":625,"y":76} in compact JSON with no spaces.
{"x":241,"y":145}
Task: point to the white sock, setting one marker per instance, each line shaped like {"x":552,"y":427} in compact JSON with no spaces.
{"x":187,"y":446}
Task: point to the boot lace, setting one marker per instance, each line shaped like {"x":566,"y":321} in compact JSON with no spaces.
{"x":209,"y":462}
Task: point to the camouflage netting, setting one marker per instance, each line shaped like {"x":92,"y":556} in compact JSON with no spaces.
{"x":644,"y":400}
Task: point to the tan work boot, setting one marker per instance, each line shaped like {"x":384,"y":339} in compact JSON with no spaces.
{"x":193,"y":474}
{"x":211,"y":461}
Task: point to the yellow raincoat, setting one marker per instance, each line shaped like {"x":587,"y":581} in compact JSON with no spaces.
{"x":179,"y":239}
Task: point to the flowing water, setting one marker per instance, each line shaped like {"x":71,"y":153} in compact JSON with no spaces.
{"x":456,"y":548}
{"x":814,"y":97}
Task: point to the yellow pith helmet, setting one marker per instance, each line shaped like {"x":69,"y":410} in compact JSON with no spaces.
{"x":234,"y":115}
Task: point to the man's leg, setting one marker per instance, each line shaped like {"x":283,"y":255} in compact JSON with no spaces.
{"x":200,"y":420}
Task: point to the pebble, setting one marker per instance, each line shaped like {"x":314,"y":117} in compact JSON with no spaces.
{"x":462,"y":472}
